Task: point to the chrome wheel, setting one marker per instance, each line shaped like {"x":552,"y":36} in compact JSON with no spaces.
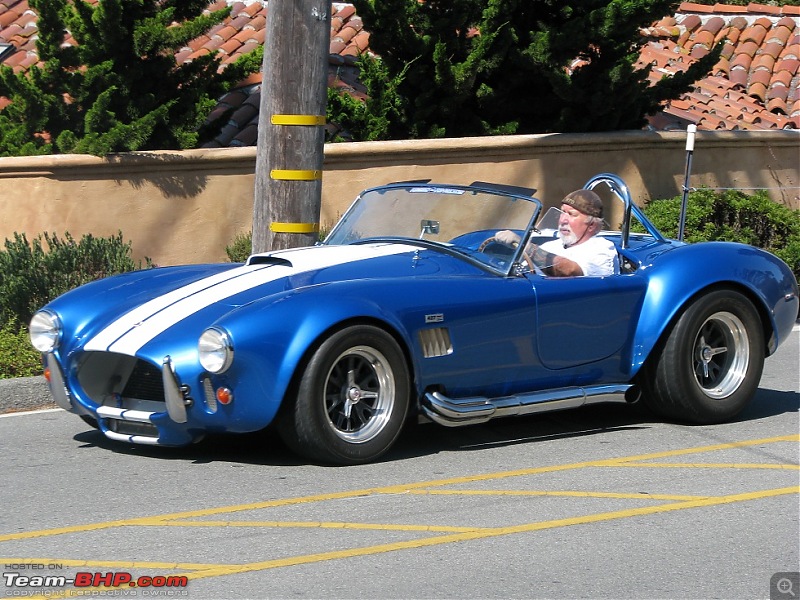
{"x":351,"y":399}
{"x":707,"y":367}
{"x":721,"y":355}
{"x":359,"y":394}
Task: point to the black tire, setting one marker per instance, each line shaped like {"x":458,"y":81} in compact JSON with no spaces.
{"x":90,"y":421}
{"x":351,"y":400}
{"x":708,"y":367}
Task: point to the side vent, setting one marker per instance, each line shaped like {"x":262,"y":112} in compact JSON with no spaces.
{"x":211,"y":397}
{"x":435,"y":342}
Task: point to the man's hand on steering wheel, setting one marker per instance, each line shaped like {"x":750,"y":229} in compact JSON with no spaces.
{"x":507,"y":238}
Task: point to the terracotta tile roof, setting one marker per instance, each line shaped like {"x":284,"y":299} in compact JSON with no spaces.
{"x":754,"y":85}
{"x":241,"y":32}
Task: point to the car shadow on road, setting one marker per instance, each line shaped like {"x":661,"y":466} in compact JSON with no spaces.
{"x":428,"y":439}
{"x":586,"y":421}
{"x":770,"y":403}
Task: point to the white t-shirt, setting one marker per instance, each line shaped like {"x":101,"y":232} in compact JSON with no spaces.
{"x":596,"y":256}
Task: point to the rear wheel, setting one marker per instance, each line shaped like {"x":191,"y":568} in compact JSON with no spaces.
{"x":709,"y":366}
{"x":351,"y":400}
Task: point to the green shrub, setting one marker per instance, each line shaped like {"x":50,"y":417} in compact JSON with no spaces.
{"x":733,"y":216}
{"x":34,"y":272}
{"x":240,"y":248}
{"x":17,"y":357}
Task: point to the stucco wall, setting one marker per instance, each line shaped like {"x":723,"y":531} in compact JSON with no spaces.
{"x":185,"y":207}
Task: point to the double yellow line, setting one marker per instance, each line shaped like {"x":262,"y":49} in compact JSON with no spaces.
{"x":443,"y":535}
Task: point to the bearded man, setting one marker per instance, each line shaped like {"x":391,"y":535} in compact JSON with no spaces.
{"x":578,"y":250}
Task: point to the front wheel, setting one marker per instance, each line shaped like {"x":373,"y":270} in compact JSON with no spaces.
{"x":709,"y":366}
{"x":351,"y":400}
{"x":91,"y":421}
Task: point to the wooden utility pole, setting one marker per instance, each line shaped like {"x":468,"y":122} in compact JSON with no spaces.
{"x":291,"y":134}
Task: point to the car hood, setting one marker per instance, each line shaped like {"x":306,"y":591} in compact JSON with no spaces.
{"x":123,"y":314}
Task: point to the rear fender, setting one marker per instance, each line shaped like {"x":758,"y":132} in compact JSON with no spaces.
{"x":676,"y":277}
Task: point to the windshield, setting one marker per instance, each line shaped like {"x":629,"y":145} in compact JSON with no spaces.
{"x":457,"y":219}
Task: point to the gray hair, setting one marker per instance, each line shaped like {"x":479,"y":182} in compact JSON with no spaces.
{"x":595,"y":222}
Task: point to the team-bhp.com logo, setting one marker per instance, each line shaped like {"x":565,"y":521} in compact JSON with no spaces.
{"x":19,"y":584}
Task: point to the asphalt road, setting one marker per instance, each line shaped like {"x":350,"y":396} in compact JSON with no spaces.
{"x":602,"y":502}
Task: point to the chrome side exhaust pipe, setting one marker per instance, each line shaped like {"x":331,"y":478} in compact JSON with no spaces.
{"x":455,"y":412}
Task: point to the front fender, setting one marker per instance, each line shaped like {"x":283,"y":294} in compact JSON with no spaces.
{"x":271,"y":337}
{"x":676,"y":277}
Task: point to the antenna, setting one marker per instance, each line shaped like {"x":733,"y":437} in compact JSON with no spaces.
{"x":690,"y":133}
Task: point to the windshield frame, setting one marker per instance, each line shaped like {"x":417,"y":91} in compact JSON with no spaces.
{"x":513,"y":193}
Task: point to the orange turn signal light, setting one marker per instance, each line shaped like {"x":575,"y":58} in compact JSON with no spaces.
{"x":224,"y":395}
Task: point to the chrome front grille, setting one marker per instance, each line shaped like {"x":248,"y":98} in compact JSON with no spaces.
{"x":110,"y":379}
{"x":145,"y":383}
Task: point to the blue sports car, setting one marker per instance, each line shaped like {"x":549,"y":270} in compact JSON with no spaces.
{"x":411,"y":308}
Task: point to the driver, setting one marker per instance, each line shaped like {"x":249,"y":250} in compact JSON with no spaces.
{"x":578,"y":250}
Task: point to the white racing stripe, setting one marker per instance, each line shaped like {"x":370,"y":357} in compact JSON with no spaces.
{"x":136,"y":328}
{"x":151,"y":327}
{"x":139,"y":314}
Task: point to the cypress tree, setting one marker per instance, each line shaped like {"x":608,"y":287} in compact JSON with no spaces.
{"x":484,"y":67}
{"x":119,"y":88}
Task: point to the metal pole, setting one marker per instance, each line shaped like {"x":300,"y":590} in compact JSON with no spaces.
{"x":690,"y":133}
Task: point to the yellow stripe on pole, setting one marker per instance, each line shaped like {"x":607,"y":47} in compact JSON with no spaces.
{"x":295,"y":174}
{"x":294,"y":227}
{"x":302,"y":120}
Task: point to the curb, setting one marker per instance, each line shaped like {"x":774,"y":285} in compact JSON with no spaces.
{"x":24,"y":393}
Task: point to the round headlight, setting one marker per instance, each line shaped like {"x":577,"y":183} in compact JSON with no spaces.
{"x":45,"y":331}
{"x":215,"y":350}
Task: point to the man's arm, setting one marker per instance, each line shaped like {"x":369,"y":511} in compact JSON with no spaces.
{"x":554,"y":265}
{"x":549,"y":263}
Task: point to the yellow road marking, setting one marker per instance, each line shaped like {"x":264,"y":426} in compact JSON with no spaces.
{"x":484,"y":533}
{"x":224,"y":570}
{"x":318,"y":525}
{"x":711,"y":466}
{"x":567,"y":494}
{"x":449,"y":534}
{"x":391,"y":489}
{"x":713,"y":448}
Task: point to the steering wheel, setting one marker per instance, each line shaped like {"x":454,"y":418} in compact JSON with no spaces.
{"x":493,"y":240}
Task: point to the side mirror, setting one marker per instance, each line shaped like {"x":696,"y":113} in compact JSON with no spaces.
{"x":429,"y":227}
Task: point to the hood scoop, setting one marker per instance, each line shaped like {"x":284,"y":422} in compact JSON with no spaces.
{"x":268,"y":259}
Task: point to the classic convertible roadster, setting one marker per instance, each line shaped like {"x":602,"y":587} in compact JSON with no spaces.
{"x":412,"y":309}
